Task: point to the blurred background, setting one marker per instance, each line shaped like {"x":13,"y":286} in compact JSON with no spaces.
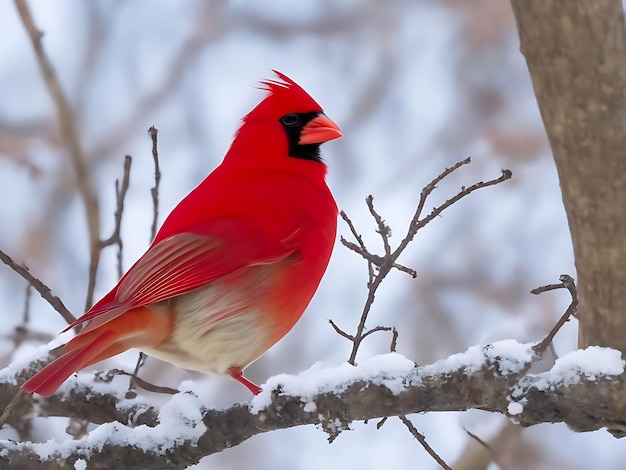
{"x":415,"y":86}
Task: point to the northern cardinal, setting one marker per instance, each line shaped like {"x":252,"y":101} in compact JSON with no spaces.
{"x":236,"y":262}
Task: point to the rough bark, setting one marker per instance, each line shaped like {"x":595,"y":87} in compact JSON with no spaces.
{"x":576,"y":55}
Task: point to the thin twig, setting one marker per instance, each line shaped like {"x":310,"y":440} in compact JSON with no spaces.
{"x":142,"y":383}
{"x":375,"y":260}
{"x":375,"y":329}
{"x":19,"y":396}
{"x":340,"y":332}
{"x":430,"y":187}
{"x":358,"y":337}
{"x":21,"y":332}
{"x":43,"y":289}
{"x":487,"y":447}
{"x":383,"y":229}
{"x":120,"y":195}
{"x":567,"y":282}
{"x":546,"y":288}
{"x":359,"y":239}
{"x":417,"y":223}
{"x":422,"y":440}
{"x":394,"y":340}
{"x":388,"y":261}
{"x":26,"y":311}
{"x":67,"y":123}
{"x":154,"y":191}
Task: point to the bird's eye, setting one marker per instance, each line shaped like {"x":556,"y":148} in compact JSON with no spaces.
{"x":290,"y":120}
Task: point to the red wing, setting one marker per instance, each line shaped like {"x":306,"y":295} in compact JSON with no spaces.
{"x":183,"y":262}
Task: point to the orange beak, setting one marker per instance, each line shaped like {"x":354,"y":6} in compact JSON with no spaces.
{"x":319,"y":129}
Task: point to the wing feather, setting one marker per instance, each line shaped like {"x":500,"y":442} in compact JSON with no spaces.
{"x":183,"y":262}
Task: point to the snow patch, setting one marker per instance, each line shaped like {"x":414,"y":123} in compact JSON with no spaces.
{"x":515,"y":408}
{"x":391,"y":370}
{"x":80,"y":464}
{"x":589,"y":363}
{"x":386,"y":369}
{"x":469,"y":361}
{"x":510,"y":356}
{"x":180,"y":419}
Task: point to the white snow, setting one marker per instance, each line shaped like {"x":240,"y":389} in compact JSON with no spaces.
{"x":310,"y":407}
{"x":589,"y":363}
{"x":180,"y":419}
{"x":510,"y":355}
{"x":391,"y":370}
{"x":515,"y":408}
{"x":386,"y":369}
{"x":80,"y":464}
{"x":470,"y":361}
{"x":22,"y":358}
{"x":100,"y":384}
{"x":27,"y":353}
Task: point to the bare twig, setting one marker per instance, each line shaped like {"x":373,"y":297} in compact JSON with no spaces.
{"x":71,"y":138}
{"x":394,"y":340}
{"x":120,"y":195}
{"x":546,"y":288}
{"x":375,"y":260}
{"x":388,"y":260}
{"x":375,"y":329}
{"x":17,"y":398}
{"x":340,"y":331}
{"x":422,"y":440}
{"x":383,"y":229}
{"x":359,"y":239}
{"x":43,"y":289}
{"x":487,"y":447}
{"x":143,"y":384}
{"x":430,"y":187}
{"x":154,"y":191}
{"x":26,"y":311}
{"x":417,"y":223}
{"x":567,"y":282}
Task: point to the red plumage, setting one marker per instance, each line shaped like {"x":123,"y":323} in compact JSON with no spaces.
{"x":235,"y":263}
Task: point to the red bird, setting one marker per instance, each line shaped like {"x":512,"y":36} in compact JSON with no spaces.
{"x":235,"y":264}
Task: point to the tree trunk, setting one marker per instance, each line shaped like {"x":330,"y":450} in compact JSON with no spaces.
{"x":576,"y":55}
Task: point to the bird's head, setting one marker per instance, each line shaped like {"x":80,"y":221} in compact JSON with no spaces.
{"x":292,"y":118}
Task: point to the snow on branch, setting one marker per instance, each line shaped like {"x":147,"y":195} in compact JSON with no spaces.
{"x":576,"y":391}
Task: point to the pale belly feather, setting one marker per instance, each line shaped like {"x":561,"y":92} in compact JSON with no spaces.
{"x":217,"y":327}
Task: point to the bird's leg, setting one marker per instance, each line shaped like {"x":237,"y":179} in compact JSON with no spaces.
{"x":237,"y":374}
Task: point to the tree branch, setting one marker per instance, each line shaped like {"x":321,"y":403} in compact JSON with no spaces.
{"x":485,"y":378}
{"x":43,"y":289}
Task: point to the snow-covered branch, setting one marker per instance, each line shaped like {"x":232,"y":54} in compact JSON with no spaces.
{"x":578,"y":391}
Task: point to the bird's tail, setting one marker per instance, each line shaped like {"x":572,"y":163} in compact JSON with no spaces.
{"x":46,"y":381}
{"x":138,"y":327}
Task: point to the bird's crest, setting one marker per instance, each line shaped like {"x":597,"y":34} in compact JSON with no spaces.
{"x":285,"y":96}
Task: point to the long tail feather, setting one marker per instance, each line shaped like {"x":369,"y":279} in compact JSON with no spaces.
{"x":46,"y":381}
{"x":136,"y":328}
